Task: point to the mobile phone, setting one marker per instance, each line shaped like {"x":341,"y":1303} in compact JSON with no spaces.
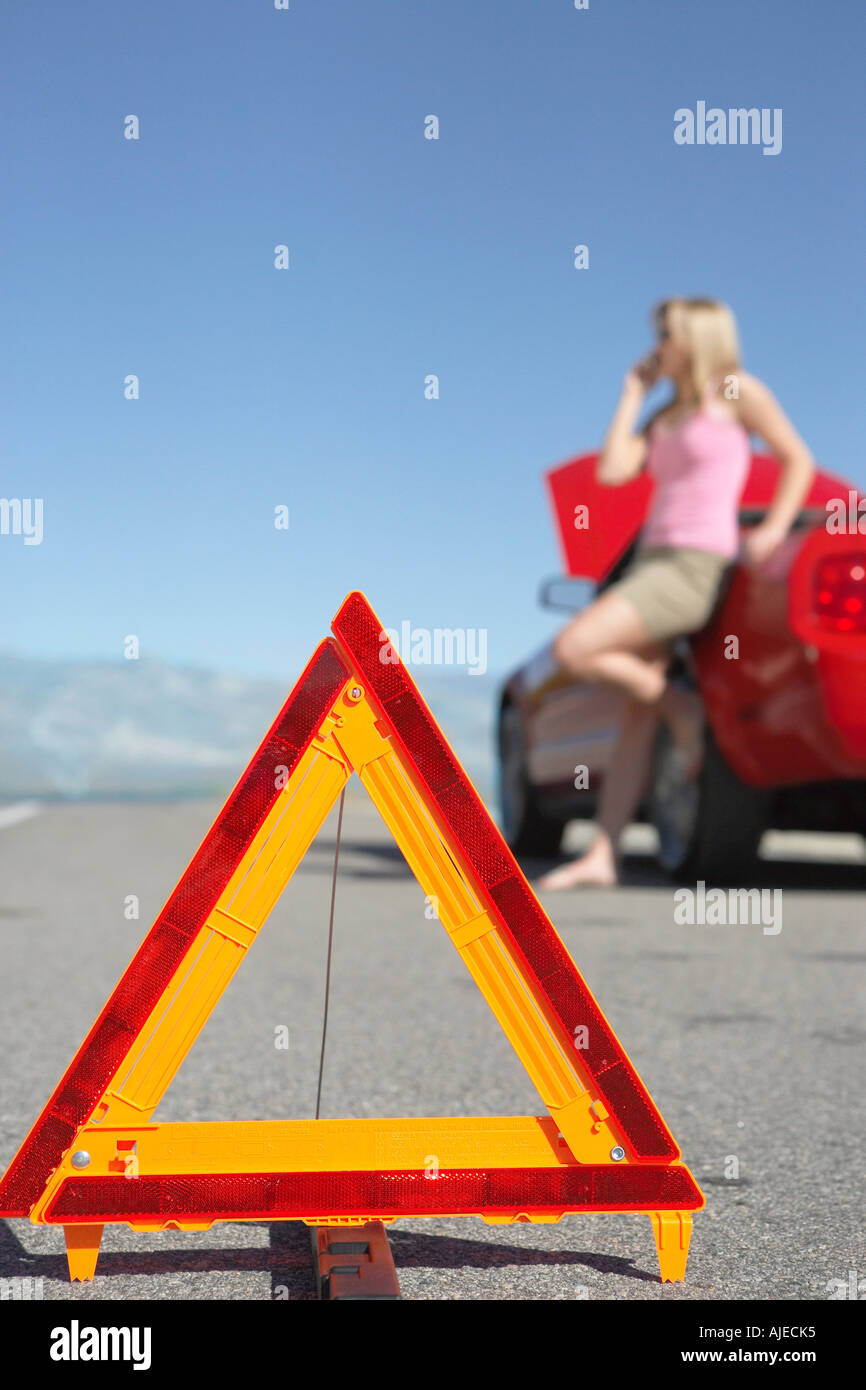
{"x":648,"y":365}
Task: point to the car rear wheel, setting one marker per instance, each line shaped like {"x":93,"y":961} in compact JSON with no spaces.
{"x":525,"y":826}
{"x":710,"y":826}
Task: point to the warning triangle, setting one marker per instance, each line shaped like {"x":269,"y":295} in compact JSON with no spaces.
{"x":94,"y":1154}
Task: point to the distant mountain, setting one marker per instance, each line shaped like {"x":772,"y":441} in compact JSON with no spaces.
{"x":148,"y":730}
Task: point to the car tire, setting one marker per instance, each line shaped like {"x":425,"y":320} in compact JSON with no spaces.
{"x":710,"y":827}
{"x":526,"y":828}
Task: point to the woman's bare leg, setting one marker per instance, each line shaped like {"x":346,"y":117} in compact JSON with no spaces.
{"x":624,"y":783}
{"x":683,"y":713}
{"x":609,"y":642}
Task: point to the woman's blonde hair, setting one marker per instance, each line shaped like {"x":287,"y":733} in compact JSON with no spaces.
{"x":708,"y":330}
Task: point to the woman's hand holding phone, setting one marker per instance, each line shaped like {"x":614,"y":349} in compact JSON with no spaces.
{"x":624,"y":451}
{"x":643,"y":374}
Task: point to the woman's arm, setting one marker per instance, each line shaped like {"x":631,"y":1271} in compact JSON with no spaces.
{"x":761,"y":414}
{"x":623,"y":453}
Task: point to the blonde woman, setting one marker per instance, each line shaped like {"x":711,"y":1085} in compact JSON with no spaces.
{"x":697,"y":449}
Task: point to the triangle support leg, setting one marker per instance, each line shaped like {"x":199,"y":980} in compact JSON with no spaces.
{"x":82,"y":1250}
{"x":673,"y":1232}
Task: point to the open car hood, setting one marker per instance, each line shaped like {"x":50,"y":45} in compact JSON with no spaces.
{"x":596,"y":523}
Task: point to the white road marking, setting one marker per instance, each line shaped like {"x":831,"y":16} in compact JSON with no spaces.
{"x":18,"y":811}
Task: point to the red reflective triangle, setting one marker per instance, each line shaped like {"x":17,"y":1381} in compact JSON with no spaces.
{"x":384,"y":1193}
{"x":361,"y":651}
{"x":507,"y":893}
{"x":152,"y":966}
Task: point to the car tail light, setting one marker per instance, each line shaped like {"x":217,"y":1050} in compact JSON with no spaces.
{"x":827,"y":611}
{"x":839,"y":593}
{"x":827,"y":594}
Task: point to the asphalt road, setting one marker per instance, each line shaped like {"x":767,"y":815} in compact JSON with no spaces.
{"x":752,"y":1045}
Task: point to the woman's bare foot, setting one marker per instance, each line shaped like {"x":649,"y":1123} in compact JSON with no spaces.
{"x":597,"y":868}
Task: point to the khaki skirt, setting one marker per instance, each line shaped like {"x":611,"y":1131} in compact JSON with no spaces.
{"x":674,"y":589}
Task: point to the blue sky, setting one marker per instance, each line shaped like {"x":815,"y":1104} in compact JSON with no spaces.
{"x":408,"y":256}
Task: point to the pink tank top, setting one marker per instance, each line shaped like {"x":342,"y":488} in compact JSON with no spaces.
{"x":699,"y":467}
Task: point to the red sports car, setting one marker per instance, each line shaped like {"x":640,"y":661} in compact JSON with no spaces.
{"x":781,"y":669}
